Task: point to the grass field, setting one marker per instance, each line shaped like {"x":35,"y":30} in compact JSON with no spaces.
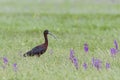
{"x":74,"y":22}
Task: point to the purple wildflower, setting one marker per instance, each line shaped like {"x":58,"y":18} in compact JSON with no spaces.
{"x":113,"y":51}
{"x":116,"y":44}
{"x":96,"y":63}
{"x":5,"y":60}
{"x":15,"y":67}
{"x":86,"y":47}
{"x":107,"y":65}
{"x":84,"y":65}
{"x":73,"y":58}
{"x":71,"y":55}
{"x":75,"y":61}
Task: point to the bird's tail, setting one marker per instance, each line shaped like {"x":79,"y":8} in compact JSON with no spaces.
{"x":29,"y":53}
{"x":25,"y":55}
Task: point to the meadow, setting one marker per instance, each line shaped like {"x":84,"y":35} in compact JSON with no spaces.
{"x":75,"y":23}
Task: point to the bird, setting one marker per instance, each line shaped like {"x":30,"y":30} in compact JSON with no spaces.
{"x":40,"y":49}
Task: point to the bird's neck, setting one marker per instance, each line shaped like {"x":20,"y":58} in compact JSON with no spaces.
{"x":46,"y":39}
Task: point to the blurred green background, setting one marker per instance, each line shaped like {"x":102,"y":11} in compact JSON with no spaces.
{"x":74,"y":22}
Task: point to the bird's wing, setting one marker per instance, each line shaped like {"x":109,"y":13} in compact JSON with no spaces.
{"x":38,"y":49}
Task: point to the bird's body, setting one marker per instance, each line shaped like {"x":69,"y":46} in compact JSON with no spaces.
{"x":40,"y":49}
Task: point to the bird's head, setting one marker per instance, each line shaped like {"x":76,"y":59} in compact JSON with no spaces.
{"x":47,"y":32}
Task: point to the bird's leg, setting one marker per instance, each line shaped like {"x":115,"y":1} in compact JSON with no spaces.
{"x":39,"y":55}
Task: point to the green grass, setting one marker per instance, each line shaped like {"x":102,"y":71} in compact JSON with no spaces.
{"x":74,"y":22}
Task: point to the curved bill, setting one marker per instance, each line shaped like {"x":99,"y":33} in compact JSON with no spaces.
{"x":53,"y":35}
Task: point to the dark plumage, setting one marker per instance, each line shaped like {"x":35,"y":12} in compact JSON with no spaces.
{"x":40,"y":49}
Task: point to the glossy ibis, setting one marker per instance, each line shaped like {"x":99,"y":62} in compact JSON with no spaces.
{"x":40,"y":49}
